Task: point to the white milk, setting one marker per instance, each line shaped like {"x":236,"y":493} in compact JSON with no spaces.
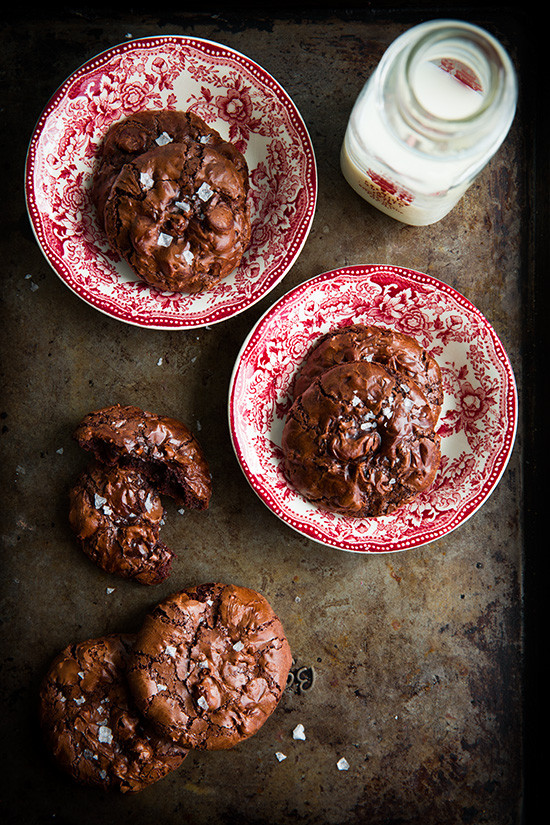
{"x":419,"y":134}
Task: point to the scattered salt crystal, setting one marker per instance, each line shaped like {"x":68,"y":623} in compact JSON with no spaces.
{"x":27,"y":276}
{"x":99,"y":501}
{"x":79,"y":701}
{"x":342,"y":764}
{"x":202,"y":703}
{"x":60,"y":451}
{"x":107,"y":510}
{"x":159,"y":362}
{"x":34,"y":286}
{"x":188,"y":255}
{"x":170,"y":650}
{"x":204,"y":192}
{"x":164,"y":239}
{"x":183,"y":205}
{"x":238,"y":646}
{"x":163,"y":139}
{"x":209,"y":602}
{"x":355,"y":401}
{"x":181,"y":511}
{"x":297,"y":599}
{"x":110,"y":590}
{"x":102,"y":773}
{"x":161,"y":687}
{"x":204,"y":139}
{"x":147,"y":182}
{"x":408,"y":404}
{"x":280,"y":756}
{"x":298,"y":732}
{"x":81,"y":674}
{"x":105,"y":734}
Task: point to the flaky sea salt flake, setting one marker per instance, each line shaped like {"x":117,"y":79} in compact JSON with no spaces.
{"x":238,"y":646}
{"x":163,"y":139}
{"x":342,"y":764}
{"x":299,"y":732}
{"x":146,"y":181}
{"x":280,"y":756}
{"x":164,"y":239}
{"x":204,"y":192}
{"x":105,"y":734}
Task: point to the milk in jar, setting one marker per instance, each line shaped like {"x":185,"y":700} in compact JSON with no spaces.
{"x":434,"y":112}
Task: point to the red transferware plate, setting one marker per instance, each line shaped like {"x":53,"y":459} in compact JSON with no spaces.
{"x":477,"y":424}
{"x":231,"y":93}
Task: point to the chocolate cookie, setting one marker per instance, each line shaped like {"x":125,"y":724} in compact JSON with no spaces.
{"x":161,"y":448}
{"x":116,"y":516}
{"x":359,"y":342}
{"x":90,"y":723}
{"x":179,"y":215}
{"x":209,"y":665}
{"x":360,"y":441}
{"x":136,"y":134}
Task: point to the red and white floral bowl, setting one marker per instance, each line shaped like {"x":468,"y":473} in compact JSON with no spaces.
{"x":235,"y":96}
{"x":477,"y":424}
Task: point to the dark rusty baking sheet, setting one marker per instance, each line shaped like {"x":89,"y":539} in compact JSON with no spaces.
{"x":409,"y":665}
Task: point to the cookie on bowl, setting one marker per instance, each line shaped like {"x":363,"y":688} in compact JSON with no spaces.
{"x":180,"y":218}
{"x":138,"y":133}
{"x":90,"y":724}
{"x":360,"y":440}
{"x":116,"y":516}
{"x":210,"y":665}
{"x":162,"y":448}
{"x":397,"y":351}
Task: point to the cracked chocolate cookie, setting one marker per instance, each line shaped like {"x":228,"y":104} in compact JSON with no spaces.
{"x":163,"y":449}
{"x":90,"y":724}
{"x":116,"y":516}
{"x":360,"y":441}
{"x":179,"y":215}
{"x":140,"y":132}
{"x":209,"y":665}
{"x":359,"y":342}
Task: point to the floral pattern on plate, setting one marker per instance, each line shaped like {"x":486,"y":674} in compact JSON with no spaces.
{"x":477,"y":424}
{"x":233,"y":95}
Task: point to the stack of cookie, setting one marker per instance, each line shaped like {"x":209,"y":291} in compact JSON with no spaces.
{"x":115,"y":508}
{"x":360,"y":439}
{"x":206,"y":670}
{"x":171,"y":196}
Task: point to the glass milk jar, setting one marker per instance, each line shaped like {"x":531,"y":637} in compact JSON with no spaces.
{"x":427,"y":121}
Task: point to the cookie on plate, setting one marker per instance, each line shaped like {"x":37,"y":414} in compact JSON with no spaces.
{"x":162,"y":448}
{"x":360,"y":441}
{"x":209,"y":665}
{"x":179,"y":215}
{"x":398,"y":352}
{"x":138,"y":133}
{"x":116,"y":516}
{"x":90,"y":724}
